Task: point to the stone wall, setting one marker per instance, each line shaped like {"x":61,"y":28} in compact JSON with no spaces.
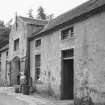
{"x":89,"y":60}
{"x":21,"y":33}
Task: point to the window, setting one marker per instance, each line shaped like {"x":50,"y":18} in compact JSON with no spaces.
{"x":68,"y":53}
{"x":38,"y":42}
{"x":0,"y":57}
{"x":67,"y":33}
{"x":0,"y":62}
{"x":7,"y":53}
{"x":0,"y":66}
{"x":37,"y":66}
{"x":16,"y":44}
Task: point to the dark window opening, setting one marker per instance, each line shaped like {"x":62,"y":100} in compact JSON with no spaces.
{"x":0,"y":66}
{"x":37,"y":66}
{"x":0,"y":57}
{"x":38,"y":42}
{"x":0,"y":62}
{"x":68,"y":53}
{"x":7,"y":53}
{"x":16,"y":44}
{"x":69,"y":32}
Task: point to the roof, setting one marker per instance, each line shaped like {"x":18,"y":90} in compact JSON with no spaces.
{"x":4,"y":37}
{"x":4,"y":48}
{"x":70,"y":15}
{"x":33,"y":21}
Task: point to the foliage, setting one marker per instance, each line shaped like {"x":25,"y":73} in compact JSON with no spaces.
{"x":84,"y":101}
{"x":41,"y":14}
{"x":30,"y":14}
{"x":4,"y":30}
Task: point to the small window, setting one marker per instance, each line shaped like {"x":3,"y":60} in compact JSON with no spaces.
{"x":38,"y":42}
{"x":16,"y":44}
{"x":0,"y":66}
{"x":7,"y":53}
{"x":37,"y":66}
{"x":68,"y":53}
{"x":0,"y":62}
{"x":67,"y":33}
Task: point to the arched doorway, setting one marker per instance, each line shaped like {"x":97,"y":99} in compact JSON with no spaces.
{"x":15,"y":69}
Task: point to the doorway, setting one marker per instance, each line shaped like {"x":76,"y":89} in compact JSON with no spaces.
{"x":67,"y":74}
{"x":15,"y":70}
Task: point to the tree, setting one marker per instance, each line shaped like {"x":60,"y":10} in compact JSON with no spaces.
{"x":41,"y":15}
{"x":30,"y":14}
{"x":4,"y":33}
{"x":2,"y":26}
{"x":4,"y":30}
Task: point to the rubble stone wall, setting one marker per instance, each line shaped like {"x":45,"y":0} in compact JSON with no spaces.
{"x":89,"y":59}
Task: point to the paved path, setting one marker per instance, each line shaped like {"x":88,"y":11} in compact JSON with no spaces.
{"x":10,"y":100}
{"x":9,"y":97}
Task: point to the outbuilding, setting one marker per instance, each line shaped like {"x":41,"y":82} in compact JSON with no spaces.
{"x":67,"y":58}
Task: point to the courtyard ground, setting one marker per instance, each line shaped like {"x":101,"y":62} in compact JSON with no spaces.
{"x":12,"y":98}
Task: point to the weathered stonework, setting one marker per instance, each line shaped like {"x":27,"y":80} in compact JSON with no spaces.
{"x":89,"y":59}
{"x":22,"y":29}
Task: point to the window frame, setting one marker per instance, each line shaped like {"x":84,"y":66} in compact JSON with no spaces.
{"x":16,"y":43}
{"x":67,"y":32}
{"x":37,"y":66}
{"x":37,"y":44}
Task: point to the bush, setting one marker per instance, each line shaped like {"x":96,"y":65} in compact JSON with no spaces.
{"x":83,"y":101}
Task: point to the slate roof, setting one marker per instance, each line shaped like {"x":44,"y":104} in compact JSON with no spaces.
{"x":4,"y":48}
{"x":76,"y":12}
{"x":4,"y":38}
{"x":33,"y":21}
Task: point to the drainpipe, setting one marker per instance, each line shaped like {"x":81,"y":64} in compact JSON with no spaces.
{"x":10,"y":72}
{"x":27,"y":62}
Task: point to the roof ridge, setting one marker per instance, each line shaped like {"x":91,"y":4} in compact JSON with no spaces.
{"x":73,"y":13}
{"x":32,"y":18}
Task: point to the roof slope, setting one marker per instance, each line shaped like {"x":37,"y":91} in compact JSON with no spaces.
{"x":4,"y":37}
{"x":4,"y":47}
{"x":33,"y":21}
{"x":78,"y":11}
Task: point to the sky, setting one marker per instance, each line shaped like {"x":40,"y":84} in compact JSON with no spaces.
{"x":8,"y":8}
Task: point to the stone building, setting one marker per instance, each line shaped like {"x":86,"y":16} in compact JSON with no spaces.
{"x":67,"y":58}
{"x":18,"y":44}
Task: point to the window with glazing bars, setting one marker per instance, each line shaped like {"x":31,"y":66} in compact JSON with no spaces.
{"x":37,"y":66}
{"x":38,"y":43}
{"x":69,"y":32}
{"x":68,"y":53}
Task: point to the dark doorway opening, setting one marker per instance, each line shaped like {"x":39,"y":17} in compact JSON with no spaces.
{"x":15,"y":70}
{"x":67,"y":75}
